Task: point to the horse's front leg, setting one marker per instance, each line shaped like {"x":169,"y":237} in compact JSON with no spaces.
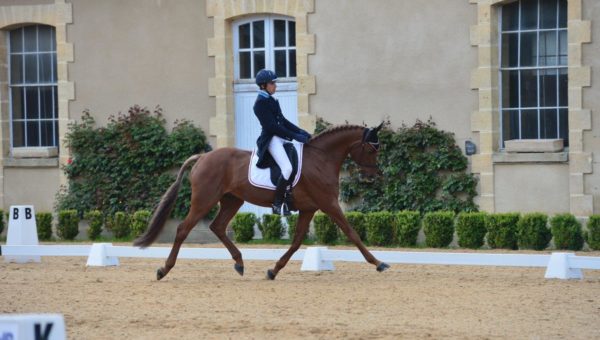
{"x":336,"y":214}
{"x":301,"y":230}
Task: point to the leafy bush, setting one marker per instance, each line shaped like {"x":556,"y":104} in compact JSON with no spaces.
{"x":119,"y":224}
{"x":533,"y":232}
{"x":438,"y":227}
{"x":380,"y":230}
{"x":470,"y":229}
{"x":326,"y":232}
{"x":271,"y":227}
{"x":139,"y":222}
{"x":44,"y":225}
{"x":95,"y":220}
{"x":502,"y":230}
{"x":567,"y":232}
{"x":243,"y":227}
{"x":68,"y":224}
{"x":406,"y":228}
{"x":356,"y":219}
{"x":593,"y":233}
{"x":133,"y":152}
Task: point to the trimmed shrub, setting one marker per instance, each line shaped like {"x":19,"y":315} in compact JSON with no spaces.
{"x":502,"y":230}
{"x":533,"y":231}
{"x":43,"y":221}
{"x":326,"y":232}
{"x":68,"y":224}
{"x":406,"y":228}
{"x":356,"y":219}
{"x":438,"y":227}
{"x":95,"y":222}
{"x":119,"y":224}
{"x":2,"y":221}
{"x":593,"y":232}
{"x":380,"y":228}
{"x":139,"y":222}
{"x":470,"y":229}
{"x":243,"y":227}
{"x":567,"y":232}
{"x":271,"y":227}
{"x":292,"y":221}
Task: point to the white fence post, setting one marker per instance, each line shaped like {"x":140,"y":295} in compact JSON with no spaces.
{"x":560,"y":268}
{"x":99,"y":258}
{"x":22,"y":230}
{"x":32,"y":326}
{"x":313,"y":260}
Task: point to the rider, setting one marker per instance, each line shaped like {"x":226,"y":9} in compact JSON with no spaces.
{"x":276,"y":130}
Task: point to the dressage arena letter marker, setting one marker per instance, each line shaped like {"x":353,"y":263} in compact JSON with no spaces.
{"x":22,"y":231}
{"x":32,"y":327}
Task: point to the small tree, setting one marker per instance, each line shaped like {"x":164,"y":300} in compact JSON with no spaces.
{"x":243,"y":227}
{"x":68,"y":224}
{"x":470,"y":229}
{"x":438,"y":227}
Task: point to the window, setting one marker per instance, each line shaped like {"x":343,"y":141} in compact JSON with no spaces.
{"x":265,"y":43}
{"x":533,"y":70}
{"x":33,"y":86}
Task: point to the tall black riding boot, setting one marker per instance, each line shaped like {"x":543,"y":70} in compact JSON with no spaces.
{"x":289,"y":198}
{"x":278,"y":202}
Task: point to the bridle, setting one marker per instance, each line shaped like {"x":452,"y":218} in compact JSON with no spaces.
{"x":374,"y":146}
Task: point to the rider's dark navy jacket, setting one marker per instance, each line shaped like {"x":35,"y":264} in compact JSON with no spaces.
{"x":268,"y":112}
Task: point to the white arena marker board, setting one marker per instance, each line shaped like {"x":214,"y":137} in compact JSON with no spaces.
{"x":22,"y":231}
{"x":32,"y":327}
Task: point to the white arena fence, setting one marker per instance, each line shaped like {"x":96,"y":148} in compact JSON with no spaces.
{"x":558,"y":264}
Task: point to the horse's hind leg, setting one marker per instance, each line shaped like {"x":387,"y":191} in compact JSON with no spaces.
{"x":229,"y":206}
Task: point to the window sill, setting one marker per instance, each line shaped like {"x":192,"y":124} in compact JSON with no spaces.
{"x":531,"y":157}
{"x":30,"y":162}
{"x":39,"y":152}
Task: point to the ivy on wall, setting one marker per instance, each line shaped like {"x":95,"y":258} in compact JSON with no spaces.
{"x":129,"y":164}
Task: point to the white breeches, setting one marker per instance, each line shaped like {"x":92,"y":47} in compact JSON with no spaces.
{"x":278,"y":153}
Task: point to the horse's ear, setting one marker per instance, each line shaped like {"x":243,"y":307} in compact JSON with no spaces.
{"x":376,"y":130}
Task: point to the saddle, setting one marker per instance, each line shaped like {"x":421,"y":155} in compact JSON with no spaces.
{"x":267,"y":178}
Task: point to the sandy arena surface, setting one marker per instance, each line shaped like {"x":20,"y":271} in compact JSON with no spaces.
{"x":207,"y":299}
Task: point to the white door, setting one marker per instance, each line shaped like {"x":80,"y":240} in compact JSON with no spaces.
{"x":262,"y":42}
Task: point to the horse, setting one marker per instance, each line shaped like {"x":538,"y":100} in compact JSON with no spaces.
{"x":221,"y":176}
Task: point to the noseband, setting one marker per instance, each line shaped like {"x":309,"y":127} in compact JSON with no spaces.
{"x":375,"y":147}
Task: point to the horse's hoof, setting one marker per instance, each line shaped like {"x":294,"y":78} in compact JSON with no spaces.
{"x":270,"y":275}
{"x":160,"y":274}
{"x":382,"y":267}
{"x":239,"y":269}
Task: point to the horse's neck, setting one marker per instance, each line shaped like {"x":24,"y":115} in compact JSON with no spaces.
{"x":336,"y":146}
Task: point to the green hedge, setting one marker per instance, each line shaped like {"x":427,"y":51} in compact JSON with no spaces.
{"x":243,"y":227}
{"x":356,"y":219}
{"x":292,"y":221}
{"x":593,"y":232}
{"x":139,"y":222}
{"x":380,"y":228}
{"x":119,"y":224}
{"x":326,"y":232}
{"x":95,"y":223}
{"x":470,"y":229}
{"x":567,"y":232}
{"x":502,"y":230}
{"x":271,"y":227}
{"x":533,"y":232}
{"x":68,"y":224}
{"x":406,"y":228}
{"x":438,"y":227}
{"x":44,"y":225}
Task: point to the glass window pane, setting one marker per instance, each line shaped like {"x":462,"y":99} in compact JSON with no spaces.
{"x":31,"y":71}
{"x":259,"y":61}
{"x":548,"y":17}
{"x":291,"y":33}
{"x":18,"y":102}
{"x":47,"y":133}
{"x":292,"y":64}
{"x":510,"y":16}
{"x":510,"y":125}
{"x":548,"y":84}
{"x":18,"y":133}
{"x":528,"y":49}
{"x":47,"y":102}
{"x":245,"y":66}
{"x":32,"y":101}
{"x":16,"y":40}
{"x":46,"y":69}
{"x":529,"y":88}
{"x":529,"y":124}
{"x":244,"y":36}
{"x":562,"y":13}
{"x":510,"y":49}
{"x":529,"y":13}
{"x":548,"y":124}
{"x":45,"y":38}
{"x":30,"y":38}
{"x":280,"y":64}
{"x":279,"y":33}
{"x":510,"y":89}
{"x":563,"y":121}
{"x":258,"y":33}
{"x":548,"y":49}
{"x":562,"y":51}
{"x":33,"y":133}
{"x":563,"y":88}
{"x":16,"y":69}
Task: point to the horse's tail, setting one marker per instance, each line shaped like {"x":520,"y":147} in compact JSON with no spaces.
{"x":163,"y":210}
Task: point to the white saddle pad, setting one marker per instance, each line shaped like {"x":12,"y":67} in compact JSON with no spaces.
{"x":262,"y":177}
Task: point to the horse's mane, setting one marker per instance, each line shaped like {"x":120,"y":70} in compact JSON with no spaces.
{"x":334,"y":130}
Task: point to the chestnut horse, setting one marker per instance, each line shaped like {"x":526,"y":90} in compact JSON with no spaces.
{"x":222,"y":176}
